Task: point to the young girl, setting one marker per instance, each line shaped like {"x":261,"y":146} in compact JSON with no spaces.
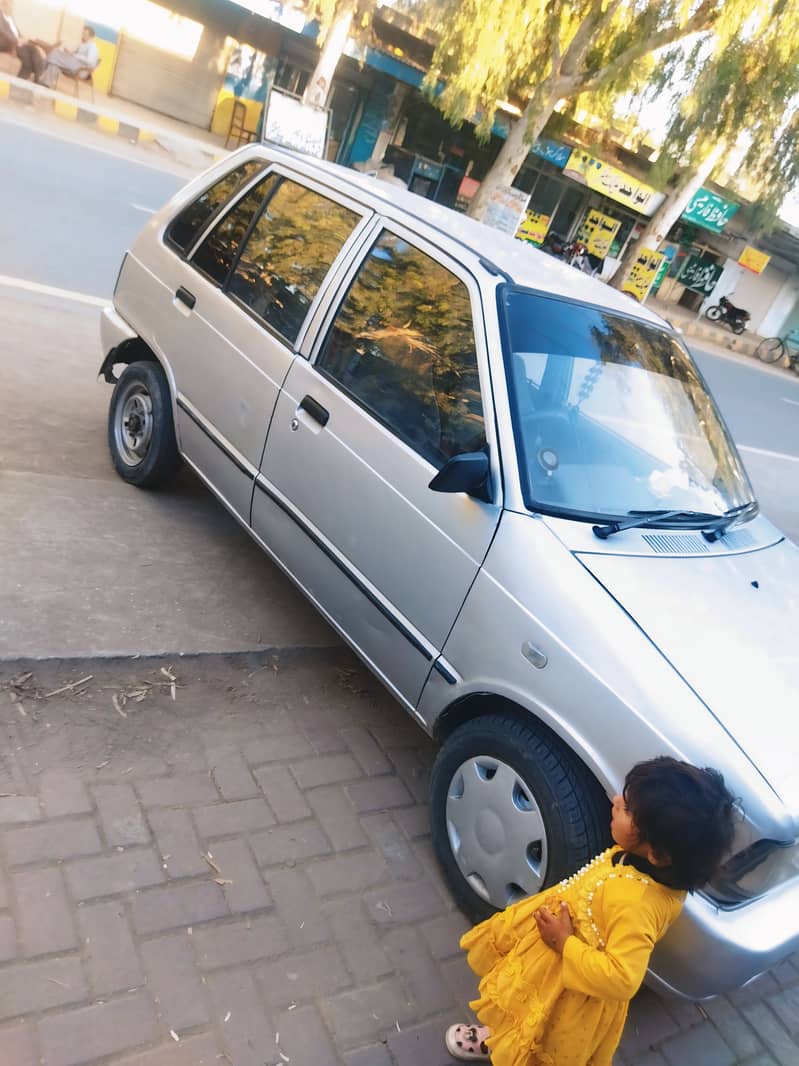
{"x":558,"y":969}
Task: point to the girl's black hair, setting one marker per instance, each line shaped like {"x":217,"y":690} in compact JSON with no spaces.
{"x":684,"y":814}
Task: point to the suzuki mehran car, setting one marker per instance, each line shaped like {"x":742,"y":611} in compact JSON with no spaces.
{"x":508,"y":488}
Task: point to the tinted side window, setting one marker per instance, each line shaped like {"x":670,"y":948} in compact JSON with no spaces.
{"x":402,"y":344}
{"x":287,"y":255}
{"x":184,"y":230}
{"x":216,"y":253}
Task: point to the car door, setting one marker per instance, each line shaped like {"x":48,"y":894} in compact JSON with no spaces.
{"x":343,"y":498}
{"x":248,"y":289}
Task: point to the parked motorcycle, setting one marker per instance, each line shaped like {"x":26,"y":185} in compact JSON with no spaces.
{"x":556,"y":245}
{"x":724,"y":311}
{"x":574,"y":253}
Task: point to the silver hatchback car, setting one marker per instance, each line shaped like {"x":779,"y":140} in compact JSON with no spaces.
{"x":508,"y":488}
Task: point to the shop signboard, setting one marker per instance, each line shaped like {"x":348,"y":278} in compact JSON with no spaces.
{"x":597,"y":233}
{"x":709,"y":211}
{"x":293,"y":124}
{"x":554,"y":152}
{"x":753,"y":260}
{"x":668,"y":253}
{"x":533,"y":227}
{"x":612,"y":182}
{"x":466,"y":192}
{"x":700,"y":274}
{"x":643,"y":273}
{"x":505,"y":209}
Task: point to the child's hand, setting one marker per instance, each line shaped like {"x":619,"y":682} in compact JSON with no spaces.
{"x":555,"y":931}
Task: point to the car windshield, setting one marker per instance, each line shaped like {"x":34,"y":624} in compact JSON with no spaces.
{"x":611,"y":416}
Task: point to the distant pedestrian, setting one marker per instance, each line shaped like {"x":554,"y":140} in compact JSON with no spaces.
{"x":31,"y":56}
{"x":558,"y":969}
{"x":79,"y":62}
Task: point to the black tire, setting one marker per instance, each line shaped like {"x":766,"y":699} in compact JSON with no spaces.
{"x":770,"y":350}
{"x":141,"y":429}
{"x":573,"y":807}
{"x":737,"y":327}
{"x":714,"y":313}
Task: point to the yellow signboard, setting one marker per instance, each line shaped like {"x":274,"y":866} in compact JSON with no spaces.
{"x":612,"y":182}
{"x":534,"y":227}
{"x":642,"y":276}
{"x":597,"y":233}
{"x":753,"y":260}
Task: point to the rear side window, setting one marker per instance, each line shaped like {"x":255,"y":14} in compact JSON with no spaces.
{"x":290,"y":249}
{"x":216,"y":253}
{"x":184,"y":230}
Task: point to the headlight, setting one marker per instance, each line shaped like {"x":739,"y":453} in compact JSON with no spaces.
{"x":753,"y":872}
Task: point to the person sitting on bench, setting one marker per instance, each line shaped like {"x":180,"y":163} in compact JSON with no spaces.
{"x":29,"y":53}
{"x":78,"y":63}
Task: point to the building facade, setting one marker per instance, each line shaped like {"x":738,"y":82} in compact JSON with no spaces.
{"x":205,"y":62}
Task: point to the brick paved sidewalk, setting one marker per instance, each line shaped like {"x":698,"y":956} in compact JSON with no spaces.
{"x":243,"y":875}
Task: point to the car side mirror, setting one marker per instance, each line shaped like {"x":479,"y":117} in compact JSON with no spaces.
{"x":467,"y":472}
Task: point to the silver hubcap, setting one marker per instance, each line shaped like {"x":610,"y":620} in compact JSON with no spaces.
{"x":496,"y":831}
{"x":133,"y":425}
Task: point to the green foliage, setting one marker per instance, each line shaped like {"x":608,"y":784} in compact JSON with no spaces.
{"x":326,"y":12}
{"x":490,"y":51}
{"x":743,"y":87}
{"x":403,"y":342}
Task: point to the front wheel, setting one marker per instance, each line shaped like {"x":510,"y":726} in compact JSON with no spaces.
{"x":141,"y":430}
{"x":737,"y":327}
{"x":714,"y":313}
{"x":512,"y":812}
{"x":770,"y":350}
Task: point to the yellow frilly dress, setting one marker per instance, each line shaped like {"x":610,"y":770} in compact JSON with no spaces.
{"x":546,"y":1009}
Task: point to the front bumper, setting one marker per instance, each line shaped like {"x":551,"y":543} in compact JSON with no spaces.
{"x":710,"y":951}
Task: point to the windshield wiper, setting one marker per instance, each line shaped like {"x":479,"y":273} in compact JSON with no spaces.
{"x":723,"y":522}
{"x":639,"y":519}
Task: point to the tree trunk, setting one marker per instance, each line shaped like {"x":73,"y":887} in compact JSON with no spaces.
{"x":515,"y":150}
{"x":318,"y":87}
{"x":658,"y":227}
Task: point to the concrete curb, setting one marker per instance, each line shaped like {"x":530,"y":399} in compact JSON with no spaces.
{"x":103,"y":119}
{"x":284,"y":655}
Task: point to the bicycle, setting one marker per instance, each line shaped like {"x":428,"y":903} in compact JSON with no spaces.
{"x":774,"y":350}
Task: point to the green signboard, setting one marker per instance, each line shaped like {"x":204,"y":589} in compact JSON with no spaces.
{"x":700,"y":274}
{"x":709,"y":211}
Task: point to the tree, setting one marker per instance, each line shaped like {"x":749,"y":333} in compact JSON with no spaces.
{"x":546,"y":51}
{"x":338,"y":20}
{"x":745,"y":99}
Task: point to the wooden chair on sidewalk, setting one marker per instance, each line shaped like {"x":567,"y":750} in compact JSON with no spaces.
{"x":84,"y":76}
{"x":237,"y":131}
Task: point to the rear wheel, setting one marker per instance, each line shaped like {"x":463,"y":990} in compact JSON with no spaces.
{"x":512,"y":812}
{"x":737,"y":327}
{"x":714,"y":313}
{"x":770,"y":350}
{"x":141,"y":430}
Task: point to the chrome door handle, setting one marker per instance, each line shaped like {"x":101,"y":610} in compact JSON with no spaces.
{"x":315,"y":410}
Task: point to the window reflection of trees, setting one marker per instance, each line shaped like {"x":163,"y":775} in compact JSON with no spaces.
{"x":216,"y":254}
{"x":191,"y":220}
{"x":289,"y":252}
{"x":622,"y":407}
{"x":403,"y":344}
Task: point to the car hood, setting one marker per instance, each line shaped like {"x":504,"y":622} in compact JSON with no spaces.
{"x":730,"y":626}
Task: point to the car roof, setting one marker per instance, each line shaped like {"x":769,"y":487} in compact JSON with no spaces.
{"x":521,"y":262}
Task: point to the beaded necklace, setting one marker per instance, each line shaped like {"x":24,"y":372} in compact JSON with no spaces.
{"x":585,"y":883}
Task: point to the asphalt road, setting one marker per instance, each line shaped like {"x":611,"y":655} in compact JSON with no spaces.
{"x":90,"y":566}
{"x":70,"y":212}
